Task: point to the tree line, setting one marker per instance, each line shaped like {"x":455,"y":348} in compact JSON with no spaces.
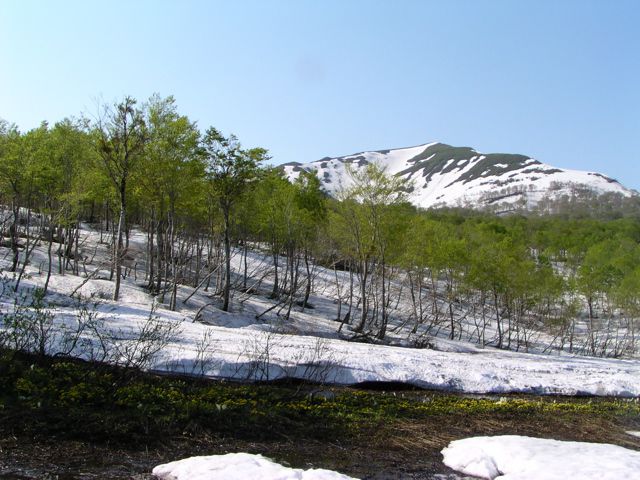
{"x":207,"y":207}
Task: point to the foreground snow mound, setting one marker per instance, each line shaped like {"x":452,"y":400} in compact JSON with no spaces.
{"x":238,"y":466}
{"x":512,"y":457}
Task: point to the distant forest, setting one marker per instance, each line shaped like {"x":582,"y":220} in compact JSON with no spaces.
{"x":571,"y":269}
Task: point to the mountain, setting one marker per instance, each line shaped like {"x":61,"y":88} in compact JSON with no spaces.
{"x":442,"y":175}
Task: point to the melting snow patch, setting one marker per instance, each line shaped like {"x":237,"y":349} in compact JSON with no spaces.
{"x":634,"y":434}
{"x":238,"y":466}
{"x":513,"y":457}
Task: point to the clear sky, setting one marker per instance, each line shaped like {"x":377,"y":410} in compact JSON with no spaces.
{"x":556,"y":80}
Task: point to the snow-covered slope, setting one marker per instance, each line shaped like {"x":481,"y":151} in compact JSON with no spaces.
{"x":237,"y":346}
{"x":441,"y":175}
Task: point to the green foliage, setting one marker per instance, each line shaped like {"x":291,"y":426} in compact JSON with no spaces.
{"x":277,"y":210}
{"x":605,"y":265}
{"x":229,"y":168}
{"x":170,"y":180}
{"x":627,"y":293}
{"x":121,"y":135}
{"x":79,"y":400}
{"x":194,"y":192}
{"x":230,"y":171}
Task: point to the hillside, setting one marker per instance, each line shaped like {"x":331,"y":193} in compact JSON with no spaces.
{"x":77,"y":319}
{"x":437,"y":174}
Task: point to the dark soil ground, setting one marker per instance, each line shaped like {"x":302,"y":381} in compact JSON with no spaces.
{"x":366,"y":434}
{"x":404,"y":449}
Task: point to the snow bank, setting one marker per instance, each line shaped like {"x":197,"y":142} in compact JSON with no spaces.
{"x":513,"y":457}
{"x":240,"y":466}
{"x":239,"y":351}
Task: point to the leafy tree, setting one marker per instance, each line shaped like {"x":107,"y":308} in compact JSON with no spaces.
{"x":121,"y":135}
{"x":312,"y":206}
{"x":12,"y":176}
{"x":170,"y":183}
{"x":278,"y":222}
{"x":230,"y":171}
{"x":365,"y":213}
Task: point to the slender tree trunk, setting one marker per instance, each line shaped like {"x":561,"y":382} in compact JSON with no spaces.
{"x":351,"y":282}
{"x":498,"y":321}
{"x":484,"y":320}
{"x":287,"y":266}
{"x":117,"y":260}
{"x":435,"y":309}
{"x":101,"y":228}
{"x":383,"y":327}
{"x":173,"y":257}
{"x":174,"y":289}
{"x":150,"y":259}
{"x":307,"y":291}
{"x":199,"y":247}
{"x":27,"y":251}
{"x":450,"y":299}
{"x":245,"y":249}
{"x":160,"y":251}
{"x":13,"y":233}
{"x":276,"y":287}
{"x":210,"y":259}
{"x":347,"y":317}
{"x":68,"y":247}
{"x":592,"y":338}
{"x":416,"y":300}
{"x":364,"y":269}
{"x":49,"y":246}
{"x":221,"y":262}
{"x":61,"y":237}
{"x":338,"y":293}
{"x":294,"y":282}
{"x":76,"y":252}
{"x":227,"y":259}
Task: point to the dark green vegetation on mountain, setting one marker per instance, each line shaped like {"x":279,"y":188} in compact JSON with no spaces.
{"x":442,"y":158}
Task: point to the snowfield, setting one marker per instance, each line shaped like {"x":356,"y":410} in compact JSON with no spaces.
{"x":236,"y":346}
{"x":513,"y":457}
{"x":238,"y":466}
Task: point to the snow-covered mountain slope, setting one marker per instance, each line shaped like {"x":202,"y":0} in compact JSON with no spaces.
{"x":441,"y":175}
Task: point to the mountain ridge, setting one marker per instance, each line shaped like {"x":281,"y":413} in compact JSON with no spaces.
{"x":442,"y":175}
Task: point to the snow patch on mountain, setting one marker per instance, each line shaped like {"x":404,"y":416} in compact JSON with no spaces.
{"x":437,"y":174}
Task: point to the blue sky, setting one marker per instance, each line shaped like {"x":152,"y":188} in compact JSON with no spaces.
{"x":557,"y":80}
